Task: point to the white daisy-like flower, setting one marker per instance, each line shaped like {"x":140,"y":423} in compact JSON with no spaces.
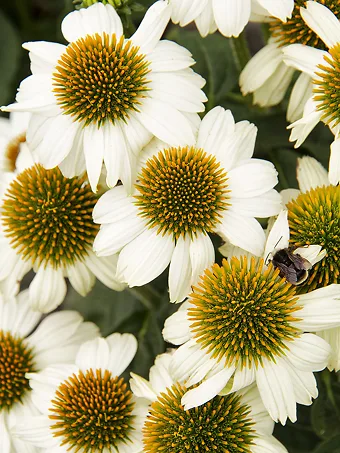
{"x":321,"y":66}
{"x":102,"y":97}
{"x":245,"y":323}
{"x":268,"y":74}
{"x":46,"y":225}
{"x":13,"y":140}
{"x":182,"y":195}
{"x":239,"y":422}
{"x":86,"y":406}
{"x":56,"y":340}
{"x":314,"y":219}
{"x":228,"y":16}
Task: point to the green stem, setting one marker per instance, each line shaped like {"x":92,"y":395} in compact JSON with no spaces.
{"x":240,"y":49}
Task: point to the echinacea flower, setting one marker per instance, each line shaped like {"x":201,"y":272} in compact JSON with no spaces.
{"x":56,"y":340}
{"x":86,"y":406}
{"x":103,"y":97}
{"x":322,"y":65}
{"x":46,"y":225}
{"x":245,"y":323}
{"x":182,"y":195}
{"x":268,"y":74}
{"x":228,"y":16}
{"x":13,"y":140}
{"x":237,"y":422}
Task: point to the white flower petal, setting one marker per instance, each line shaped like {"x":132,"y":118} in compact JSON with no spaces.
{"x":205,"y":22}
{"x":46,"y":52}
{"x":186,"y":360}
{"x":244,"y":232}
{"x":166,"y":122}
{"x":94,"y":153}
{"x":311,"y":253}
{"x":304,"y":58}
{"x":177,"y":327}
{"x":105,"y":269}
{"x":278,"y":237}
{"x":276,"y":390}
{"x":289,"y":195}
{"x":304,"y":383}
{"x":308,"y":352}
{"x":207,"y":390}
{"x":114,"y":205}
{"x":144,"y":258}
{"x":5,"y":441}
{"x":169,"y":56}
{"x":274,"y":89}
{"x":48,"y":289}
{"x":93,"y":354}
{"x":262,"y":206}
{"x":282,"y":9}
{"x":267,"y":444}
{"x":231,"y":17}
{"x":242,"y":378}
{"x":81,"y":278}
{"x":98,"y":18}
{"x":152,"y":26}
{"x":180,"y":271}
{"x":334,"y":162}
{"x":36,"y":431}
{"x":310,"y":174}
{"x":332,"y":336}
{"x":160,"y":378}
{"x":303,"y":127}
{"x":301,"y":92}
{"x":123,"y":348}
{"x":323,"y":22}
{"x":142,"y":388}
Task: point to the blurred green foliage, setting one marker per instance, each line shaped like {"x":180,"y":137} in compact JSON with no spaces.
{"x":143,"y":311}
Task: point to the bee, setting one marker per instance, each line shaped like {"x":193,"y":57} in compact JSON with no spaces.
{"x":293,"y":267}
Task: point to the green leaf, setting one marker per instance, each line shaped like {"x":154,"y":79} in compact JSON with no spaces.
{"x":329,"y":446}
{"x":214,"y":61}
{"x":10,"y":50}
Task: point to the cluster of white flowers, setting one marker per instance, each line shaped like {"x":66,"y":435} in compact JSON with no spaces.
{"x":108,"y":171}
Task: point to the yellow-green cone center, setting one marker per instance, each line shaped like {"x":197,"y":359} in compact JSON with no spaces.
{"x":314,"y":219}
{"x":296,"y":31}
{"x":242,"y":312}
{"x":16,"y":359}
{"x":100,"y":78}
{"x":182,"y":191}
{"x":92,"y":412}
{"x":12,"y":151}
{"x":48,"y":218}
{"x":222,"y":425}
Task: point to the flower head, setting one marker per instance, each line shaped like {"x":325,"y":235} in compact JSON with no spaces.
{"x":103,"y":97}
{"x":236,"y":422}
{"x":55,"y":340}
{"x":183,"y":194}
{"x":87,"y":406}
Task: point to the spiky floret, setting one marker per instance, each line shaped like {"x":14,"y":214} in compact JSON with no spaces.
{"x":327,"y":87}
{"x":314,"y":218}
{"x":182,"y":191}
{"x":242,"y":312}
{"x":16,"y":359}
{"x":222,"y":424}
{"x":13,"y":149}
{"x":100,"y":78}
{"x":296,"y":31}
{"x":48,"y":217}
{"x":92,"y":412}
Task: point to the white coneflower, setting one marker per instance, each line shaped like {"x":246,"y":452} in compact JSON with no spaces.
{"x":322,"y":66}
{"x":13,"y":146}
{"x":46,"y":225}
{"x":87,"y":406}
{"x":55,"y":340}
{"x":103,"y":97}
{"x":268,"y":75}
{"x":246,"y":323}
{"x":182,"y":195}
{"x":237,"y":422}
{"x":229,"y":17}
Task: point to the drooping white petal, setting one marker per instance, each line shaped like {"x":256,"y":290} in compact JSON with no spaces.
{"x":242,"y":378}
{"x":202,"y":255}
{"x":304,"y":383}
{"x":320,"y":309}
{"x":48,"y":289}
{"x":205,"y":22}
{"x":289,"y":195}
{"x":301,"y":92}
{"x":152,"y":26}
{"x":332,"y":336}
{"x":180,"y":270}
{"x":94,"y":153}
{"x":98,"y":18}
{"x":93,"y":354}
{"x":105,"y":269}
{"x":323,"y":22}
{"x":303,"y":58}
{"x":244,"y":232}
{"x":276,"y":390}
{"x":186,"y":360}
{"x":274,"y":89}
{"x":142,"y":388}
{"x":308,"y":352}
{"x":310,"y":174}
{"x":177,"y":326}
{"x":231,"y":17}
{"x":207,"y":390}
{"x":169,"y":56}
{"x":123,"y":348}
{"x":81,"y":278}
{"x":303,"y":127}
{"x":160,"y":377}
{"x":36,"y":431}
{"x":144,"y":258}
{"x":262,"y":206}
{"x":5,"y":441}
{"x":311,"y":253}
{"x":260,"y":68}
{"x":282,"y":9}
{"x":114,"y":205}
{"x":267,"y":444}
